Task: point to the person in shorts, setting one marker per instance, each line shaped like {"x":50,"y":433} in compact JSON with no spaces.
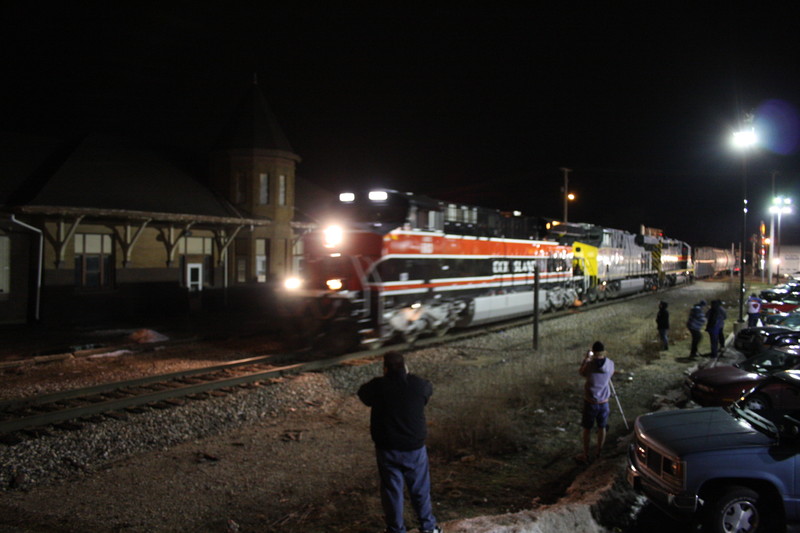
{"x":597,"y":369}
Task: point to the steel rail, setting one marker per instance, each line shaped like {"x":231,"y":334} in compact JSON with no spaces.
{"x":109,"y":387}
{"x":107,"y":406}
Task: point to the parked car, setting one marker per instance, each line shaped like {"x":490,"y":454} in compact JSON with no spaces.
{"x":733,"y":469}
{"x":789,"y":290}
{"x":779,"y":306}
{"x":751,"y":341}
{"x":723,"y":385}
{"x":775,"y":319}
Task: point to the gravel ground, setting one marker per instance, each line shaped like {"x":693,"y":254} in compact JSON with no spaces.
{"x":296,"y":455}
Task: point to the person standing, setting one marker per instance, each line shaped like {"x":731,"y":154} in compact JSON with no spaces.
{"x":662,"y":323}
{"x":597,"y":369}
{"x":723,"y":315}
{"x":398,"y":429}
{"x":753,"y":309}
{"x":713,"y":322}
{"x":695,"y":324}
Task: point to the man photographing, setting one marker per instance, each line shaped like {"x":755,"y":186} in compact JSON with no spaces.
{"x":597,"y":369}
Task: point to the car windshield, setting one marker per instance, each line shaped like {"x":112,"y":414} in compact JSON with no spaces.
{"x":769,"y":361}
{"x":790,"y":321}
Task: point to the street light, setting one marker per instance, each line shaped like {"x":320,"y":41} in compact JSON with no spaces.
{"x":567,"y":195}
{"x":743,"y":140}
{"x":780,"y":206}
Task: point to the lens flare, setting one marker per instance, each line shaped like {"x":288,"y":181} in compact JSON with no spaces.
{"x":778,"y":123}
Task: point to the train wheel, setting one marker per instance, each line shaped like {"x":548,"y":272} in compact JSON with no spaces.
{"x":411,"y":338}
{"x":591,"y":295}
{"x":441,"y":331}
{"x":376,"y":344}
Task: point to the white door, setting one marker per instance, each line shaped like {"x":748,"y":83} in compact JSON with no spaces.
{"x":194,"y":276}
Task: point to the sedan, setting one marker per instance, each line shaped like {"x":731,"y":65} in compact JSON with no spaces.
{"x":779,"y":306}
{"x":781,"y":292}
{"x":750,"y":341}
{"x":723,"y":385}
{"x":779,"y":391}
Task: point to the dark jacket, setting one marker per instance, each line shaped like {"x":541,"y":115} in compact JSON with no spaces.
{"x":696,"y":318}
{"x":662,"y":318}
{"x":715,"y":317}
{"x":397,"y":420}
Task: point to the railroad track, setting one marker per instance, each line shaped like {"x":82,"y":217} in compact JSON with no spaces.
{"x":72,"y":409}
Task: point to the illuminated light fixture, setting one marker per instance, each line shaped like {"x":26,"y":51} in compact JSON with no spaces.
{"x":347,"y":197}
{"x":517,"y":213}
{"x":332,"y":236}
{"x":292,"y":283}
{"x":416,"y":305}
{"x":334,"y":284}
{"x":745,"y":138}
{"x":336,"y":254}
{"x":378,"y":196}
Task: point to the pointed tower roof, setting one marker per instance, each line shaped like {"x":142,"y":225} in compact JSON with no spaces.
{"x":254,"y":126}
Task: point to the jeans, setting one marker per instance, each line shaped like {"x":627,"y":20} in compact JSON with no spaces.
{"x":696,"y":336}
{"x":713,"y":335}
{"x":396,"y":468}
{"x":663,"y":334}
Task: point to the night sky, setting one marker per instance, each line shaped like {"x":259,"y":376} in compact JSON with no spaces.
{"x":474,"y":105}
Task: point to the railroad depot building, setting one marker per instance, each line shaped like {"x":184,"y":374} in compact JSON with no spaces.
{"x":106,"y":227}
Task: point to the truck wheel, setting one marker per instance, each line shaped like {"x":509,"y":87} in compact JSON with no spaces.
{"x":737,"y":509}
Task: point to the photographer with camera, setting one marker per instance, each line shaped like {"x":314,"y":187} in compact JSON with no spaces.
{"x":597,"y":369}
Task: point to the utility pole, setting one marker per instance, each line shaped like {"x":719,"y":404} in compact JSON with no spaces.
{"x":566,"y":172}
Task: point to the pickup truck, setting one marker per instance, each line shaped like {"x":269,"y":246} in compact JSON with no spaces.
{"x":730,"y":469}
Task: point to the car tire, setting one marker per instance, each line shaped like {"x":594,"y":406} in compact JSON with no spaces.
{"x":737,"y":509}
{"x":756,"y":402}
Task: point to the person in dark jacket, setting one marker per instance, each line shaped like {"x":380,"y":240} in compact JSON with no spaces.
{"x":662,"y":323}
{"x":715,"y":318}
{"x":695,"y":324}
{"x":398,"y":429}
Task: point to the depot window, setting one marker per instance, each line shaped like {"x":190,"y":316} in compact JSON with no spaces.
{"x":94,"y":261}
{"x":263,"y":188}
{"x":262,"y":259}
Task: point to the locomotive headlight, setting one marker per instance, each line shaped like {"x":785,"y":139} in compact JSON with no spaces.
{"x":332,"y":236}
{"x":334,"y":284}
{"x":378,"y":196}
{"x":292,"y":283}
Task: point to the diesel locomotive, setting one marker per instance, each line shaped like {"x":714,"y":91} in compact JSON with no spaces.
{"x":398,"y":265}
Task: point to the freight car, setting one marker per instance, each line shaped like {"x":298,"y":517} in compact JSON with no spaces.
{"x":710,"y":262}
{"x":398,"y":265}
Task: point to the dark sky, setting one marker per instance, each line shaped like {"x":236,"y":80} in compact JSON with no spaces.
{"x":475,"y":105}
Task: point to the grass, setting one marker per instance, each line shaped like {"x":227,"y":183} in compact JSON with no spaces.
{"x":510,"y":386}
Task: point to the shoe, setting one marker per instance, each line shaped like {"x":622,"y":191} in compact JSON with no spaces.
{"x":436,"y":529}
{"x":582,"y":459}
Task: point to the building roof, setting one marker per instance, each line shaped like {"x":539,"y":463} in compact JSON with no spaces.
{"x":106,"y":174}
{"x":254,"y":126}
